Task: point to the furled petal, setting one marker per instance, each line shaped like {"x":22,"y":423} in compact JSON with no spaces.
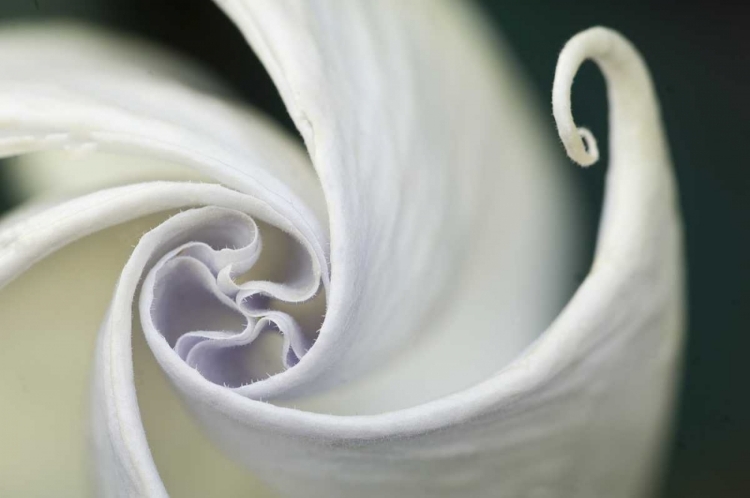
{"x":132,"y":110}
{"x":428,"y":158}
{"x":437,"y":203}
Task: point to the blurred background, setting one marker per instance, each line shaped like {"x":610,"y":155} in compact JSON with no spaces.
{"x":699,"y":54}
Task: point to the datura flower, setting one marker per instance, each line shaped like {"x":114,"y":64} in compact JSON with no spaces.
{"x":390,"y":339}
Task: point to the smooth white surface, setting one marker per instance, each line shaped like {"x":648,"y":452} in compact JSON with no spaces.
{"x":430,"y":167}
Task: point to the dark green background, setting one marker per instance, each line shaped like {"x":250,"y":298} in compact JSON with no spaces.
{"x":700,"y":58}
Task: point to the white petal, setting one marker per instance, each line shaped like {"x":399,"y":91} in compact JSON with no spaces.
{"x":432,"y":163}
{"x":130,"y":110}
{"x":33,"y":51}
{"x":113,"y":102}
{"x":74,"y":89}
{"x":406,"y":120}
{"x":435,"y":188}
{"x":600,"y":377}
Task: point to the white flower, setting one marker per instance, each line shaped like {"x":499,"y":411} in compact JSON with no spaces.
{"x":435,"y":231}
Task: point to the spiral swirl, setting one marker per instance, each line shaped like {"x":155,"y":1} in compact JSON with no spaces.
{"x":426,"y":374}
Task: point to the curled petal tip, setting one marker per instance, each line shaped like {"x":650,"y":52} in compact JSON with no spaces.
{"x":586,"y":150}
{"x":596,"y":44}
{"x":580,"y":144}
